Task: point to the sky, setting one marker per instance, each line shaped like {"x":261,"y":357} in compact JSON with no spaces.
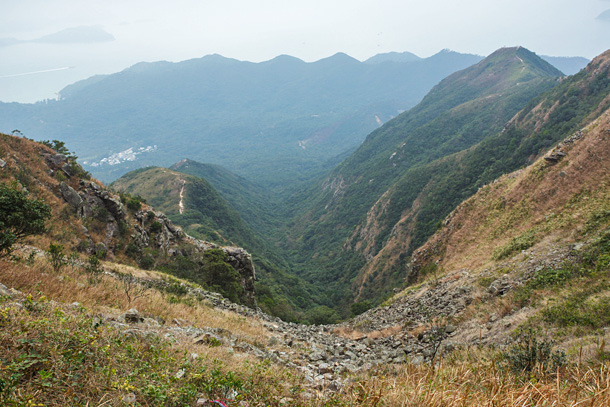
{"x":47,"y":45}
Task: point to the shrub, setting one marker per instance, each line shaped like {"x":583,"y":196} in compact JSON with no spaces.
{"x":19,"y":217}
{"x":360,"y":307}
{"x":156,"y":227}
{"x":530,"y":354}
{"x":322,"y":315}
{"x":57,"y":258}
{"x":147,"y":262}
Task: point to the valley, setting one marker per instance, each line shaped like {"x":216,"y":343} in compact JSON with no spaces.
{"x":459,"y":253}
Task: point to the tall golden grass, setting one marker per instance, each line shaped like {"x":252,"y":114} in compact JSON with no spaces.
{"x":469,"y":377}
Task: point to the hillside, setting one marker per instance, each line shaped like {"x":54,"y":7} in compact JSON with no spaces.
{"x":257,"y":205}
{"x":291,"y":115}
{"x":193,"y":203}
{"x":190,"y":202}
{"x":515,"y":311}
{"x":528,"y":254}
{"x":458,"y":113}
{"x":406,"y":216}
{"x":89,"y":220}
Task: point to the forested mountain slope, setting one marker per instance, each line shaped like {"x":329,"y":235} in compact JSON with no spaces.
{"x":193,"y":203}
{"x":407,"y":215}
{"x":328,"y":239}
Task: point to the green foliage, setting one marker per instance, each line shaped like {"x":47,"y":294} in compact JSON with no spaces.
{"x":358,"y":308}
{"x":54,"y":358}
{"x":220,"y":275}
{"x":20,"y":217}
{"x":522,"y":242}
{"x":93,"y":264}
{"x":156,"y":227}
{"x":58,"y":146}
{"x":322,"y":315}
{"x":147,"y":262}
{"x":73,"y":167}
{"x":134,"y":204}
{"x":551,"y":276}
{"x":57,"y":258}
{"x":530,"y":354}
{"x":412,"y":159}
{"x":132,"y":250}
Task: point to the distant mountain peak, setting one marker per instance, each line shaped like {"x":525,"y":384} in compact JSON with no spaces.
{"x":339,"y":57}
{"x":401,"y":57}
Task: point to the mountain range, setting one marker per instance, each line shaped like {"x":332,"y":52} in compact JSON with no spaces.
{"x":294,"y":117}
{"x":501,"y":172}
{"x":349,"y":235}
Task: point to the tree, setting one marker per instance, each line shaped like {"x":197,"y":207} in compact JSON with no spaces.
{"x":219,"y":274}
{"x":19,"y":216}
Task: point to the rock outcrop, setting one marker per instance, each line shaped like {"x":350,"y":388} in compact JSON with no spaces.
{"x":117,"y":227}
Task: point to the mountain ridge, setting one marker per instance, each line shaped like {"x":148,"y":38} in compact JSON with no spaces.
{"x":456,"y":114}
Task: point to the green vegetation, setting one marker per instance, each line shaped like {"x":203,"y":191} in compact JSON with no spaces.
{"x":358,"y":308}
{"x":522,"y":242}
{"x":220,"y":276}
{"x":57,"y":257}
{"x":59,"y":358}
{"x":530,"y":354}
{"x":20,"y":216}
{"x":410,"y":158}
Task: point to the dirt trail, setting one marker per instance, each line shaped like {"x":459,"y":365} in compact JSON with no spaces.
{"x":181,"y":203}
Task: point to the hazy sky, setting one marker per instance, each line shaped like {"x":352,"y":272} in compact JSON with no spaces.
{"x":48,"y":44}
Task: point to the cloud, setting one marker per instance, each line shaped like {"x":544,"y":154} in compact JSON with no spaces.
{"x":72,"y":35}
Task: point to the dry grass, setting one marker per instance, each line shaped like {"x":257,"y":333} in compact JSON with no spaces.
{"x":107,"y":296}
{"x":480,"y":384}
{"x":470,"y":377}
{"x":548,"y":199}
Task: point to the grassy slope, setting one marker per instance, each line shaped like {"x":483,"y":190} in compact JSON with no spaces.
{"x":206,"y":215}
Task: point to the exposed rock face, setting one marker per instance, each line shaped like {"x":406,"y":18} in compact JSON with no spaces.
{"x":241,"y":261}
{"x":71,"y":196}
{"x":93,"y":201}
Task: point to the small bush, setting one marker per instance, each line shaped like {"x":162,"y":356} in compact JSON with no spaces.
{"x":19,"y":216}
{"x":156,"y":227}
{"x":57,"y":258}
{"x":529,"y":354}
{"x":360,"y":307}
{"x":147,"y":262}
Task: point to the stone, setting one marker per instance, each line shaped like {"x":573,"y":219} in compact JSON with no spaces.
{"x":5,"y":292}
{"x":417,"y":360}
{"x":70,"y":195}
{"x":317,"y":356}
{"x":324,"y":368}
{"x":132,"y":316}
{"x":56,"y":160}
{"x":129,"y":398}
{"x":208,"y":339}
{"x":2,"y":163}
